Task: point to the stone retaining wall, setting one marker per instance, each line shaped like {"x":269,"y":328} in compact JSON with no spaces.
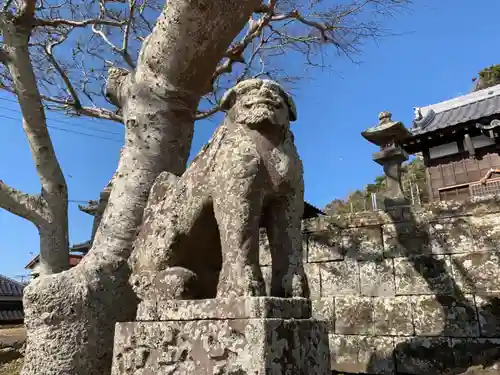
{"x":408,"y":291}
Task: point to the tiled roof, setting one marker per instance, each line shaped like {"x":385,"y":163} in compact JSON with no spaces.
{"x":11,"y":315}
{"x":10,"y":288}
{"x":311,"y":211}
{"x":459,"y":110}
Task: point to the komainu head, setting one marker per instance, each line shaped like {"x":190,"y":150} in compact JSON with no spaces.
{"x":256,"y":102}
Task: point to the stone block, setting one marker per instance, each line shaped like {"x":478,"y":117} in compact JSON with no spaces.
{"x":449,"y":236}
{"x":477,"y":272}
{"x":486,"y":232}
{"x":226,"y":308}
{"x":445,"y":316}
{"x":362,"y":354}
{"x":323,"y":309}
{"x":363,"y":243}
{"x":488,"y":310}
{"x":265,"y":249}
{"x":377,"y":353}
{"x":405,"y":239}
{"x":212,"y":347}
{"x":426,"y":274}
{"x":267,"y":274}
{"x":354,"y":315}
{"x":476,"y":356}
{"x":324,"y":246}
{"x":423,"y":355}
{"x":314,"y":279}
{"x":393,"y":316}
{"x":339,"y":278}
{"x":377,"y":277}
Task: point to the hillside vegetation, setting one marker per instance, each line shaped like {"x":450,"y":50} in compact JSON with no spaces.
{"x":413,"y":177}
{"x":488,"y":77}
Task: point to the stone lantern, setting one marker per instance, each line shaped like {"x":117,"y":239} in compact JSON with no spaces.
{"x":388,"y":135}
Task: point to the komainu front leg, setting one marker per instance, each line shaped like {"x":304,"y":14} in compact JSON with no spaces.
{"x":238,"y":218}
{"x":283,"y":224}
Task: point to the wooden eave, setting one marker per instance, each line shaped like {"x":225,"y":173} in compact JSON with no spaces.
{"x":424,"y":141}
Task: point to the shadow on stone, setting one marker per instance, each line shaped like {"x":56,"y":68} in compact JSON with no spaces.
{"x":460,"y":344}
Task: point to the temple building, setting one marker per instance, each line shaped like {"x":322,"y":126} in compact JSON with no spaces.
{"x":11,"y":301}
{"x":459,"y":140}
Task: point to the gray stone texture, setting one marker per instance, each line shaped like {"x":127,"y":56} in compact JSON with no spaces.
{"x":264,"y":248}
{"x":445,"y":316}
{"x":449,"y":236}
{"x":314,"y":279}
{"x":428,"y":293}
{"x":377,"y":278}
{"x":363,"y":243}
{"x":226,"y":308}
{"x":423,"y":355}
{"x":475,"y":356}
{"x":265,"y":258}
{"x":354,"y":315}
{"x":324,"y":309}
{"x":236,"y":346}
{"x":393,"y":316}
{"x":477,"y":272}
{"x":404,"y":239}
{"x":488,"y":310}
{"x":215,"y":243}
{"x":424,"y":274}
{"x":324,"y":246}
{"x":208,"y":221}
{"x":339,"y":278}
{"x":485,"y":232}
{"x":418,"y":296}
{"x":361,"y":354}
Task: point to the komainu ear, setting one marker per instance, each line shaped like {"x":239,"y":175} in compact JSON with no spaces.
{"x":228,"y":100}
{"x":292,"y":108}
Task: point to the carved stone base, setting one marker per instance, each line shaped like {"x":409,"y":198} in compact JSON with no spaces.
{"x":205,"y":337}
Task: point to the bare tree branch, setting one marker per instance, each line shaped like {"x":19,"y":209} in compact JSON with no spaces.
{"x":235,"y":52}
{"x":64,"y":22}
{"x":16,"y":32}
{"x":74,"y":95}
{"x":29,"y":207}
{"x":26,"y":11}
{"x":3,"y":56}
{"x":110,"y":34}
{"x":7,"y":5}
{"x":205,"y":114}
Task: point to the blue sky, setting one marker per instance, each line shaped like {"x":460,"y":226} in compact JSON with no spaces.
{"x":440,"y":47}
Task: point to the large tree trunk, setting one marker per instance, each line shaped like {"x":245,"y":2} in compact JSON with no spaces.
{"x":49,"y":210}
{"x":70,"y":316}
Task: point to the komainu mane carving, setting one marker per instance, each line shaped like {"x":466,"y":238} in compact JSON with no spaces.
{"x":200,"y":234}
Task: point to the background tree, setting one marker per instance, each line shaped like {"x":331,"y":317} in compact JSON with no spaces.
{"x":166,"y":66}
{"x":69,"y":46}
{"x":488,"y":77}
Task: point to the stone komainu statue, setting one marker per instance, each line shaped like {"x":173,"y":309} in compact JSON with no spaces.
{"x":200,"y":234}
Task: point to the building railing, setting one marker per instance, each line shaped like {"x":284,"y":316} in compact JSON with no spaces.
{"x":416,"y":193}
{"x":490,"y":187}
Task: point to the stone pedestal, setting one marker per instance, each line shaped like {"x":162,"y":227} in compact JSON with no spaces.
{"x":256,"y":336}
{"x":391,"y":159}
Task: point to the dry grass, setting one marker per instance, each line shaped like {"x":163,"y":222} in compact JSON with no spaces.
{"x":11,"y":368}
{"x":12,"y":334}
